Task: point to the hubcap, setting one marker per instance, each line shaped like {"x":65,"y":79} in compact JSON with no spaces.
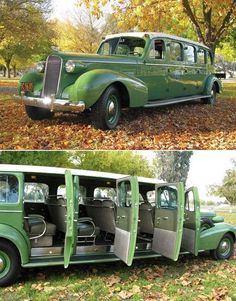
{"x":5,"y":264}
{"x":224,"y":247}
{"x":112,"y":106}
{"x":1,"y":265}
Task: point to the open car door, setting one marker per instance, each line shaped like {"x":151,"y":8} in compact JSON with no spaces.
{"x":72,"y":186}
{"x":191,"y":221}
{"x":126,"y":218}
{"x":168,"y":223}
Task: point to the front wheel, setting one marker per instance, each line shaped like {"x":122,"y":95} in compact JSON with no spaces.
{"x":36,"y":113}
{"x":225,"y":248}
{"x":9,"y":263}
{"x":212,"y":99}
{"x":105,"y":113}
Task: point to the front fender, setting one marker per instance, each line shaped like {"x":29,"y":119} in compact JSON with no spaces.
{"x":32,"y":77}
{"x":90,"y":86}
{"x":210,"y":81}
{"x":210,"y":238}
{"x":11,"y":234}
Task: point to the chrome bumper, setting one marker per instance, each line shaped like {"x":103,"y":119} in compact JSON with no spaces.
{"x":52,"y":104}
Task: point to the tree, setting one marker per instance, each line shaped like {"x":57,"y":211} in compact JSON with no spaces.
{"x":40,"y":158}
{"x":228,"y":187}
{"x":123,"y":162}
{"x":173,"y":166}
{"x":118,"y":162}
{"x":27,"y":35}
{"x":210,"y":19}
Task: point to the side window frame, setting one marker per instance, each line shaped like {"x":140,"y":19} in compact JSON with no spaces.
{"x":20,"y":180}
{"x":152,"y":47}
{"x":170,"y":42}
{"x":194,"y":54}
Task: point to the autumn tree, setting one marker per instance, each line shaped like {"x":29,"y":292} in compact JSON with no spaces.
{"x":228,"y":187}
{"x":173,"y":166}
{"x":28,"y":33}
{"x":207,"y":20}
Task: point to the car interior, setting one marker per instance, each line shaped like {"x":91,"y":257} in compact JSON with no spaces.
{"x":45,"y":211}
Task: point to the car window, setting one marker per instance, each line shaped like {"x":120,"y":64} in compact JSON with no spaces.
{"x":151,"y":197}
{"x":175,"y":50}
{"x":61,"y":192}
{"x":9,"y":189}
{"x":124,"y":194}
{"x":105,"y":193}
{"x":189,"y":201}
{"x":122,"y":46}
{"x":189,"y":52}
{"x":157,"y":50}
{"x":201,"y":56}
{"x":209,"y":58}
{"x":167,"y":197}
{"x":36,"y":192}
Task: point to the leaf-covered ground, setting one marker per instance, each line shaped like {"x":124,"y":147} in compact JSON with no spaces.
{"x":183,"y":126}
{"x":189,"y":278}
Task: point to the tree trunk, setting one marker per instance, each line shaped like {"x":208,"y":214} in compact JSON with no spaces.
{"x":4,"y":71}
{"x":8,"y":69}
{"x":14,"y":70}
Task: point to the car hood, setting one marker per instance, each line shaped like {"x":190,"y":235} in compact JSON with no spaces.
{"x":92,"y":58}
{"x":207,"y":213}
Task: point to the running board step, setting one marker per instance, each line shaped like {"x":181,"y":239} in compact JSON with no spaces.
{"x":159,"y":103}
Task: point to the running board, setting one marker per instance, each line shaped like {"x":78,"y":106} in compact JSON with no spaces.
{"x":159,"y":103}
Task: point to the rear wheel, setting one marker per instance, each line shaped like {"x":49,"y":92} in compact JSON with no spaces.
{"x":9,"y":263}
{"x":225,"y":248}
{"x":105,"y":113}
{"x":36,"y":113}
{"x":212,"y":99}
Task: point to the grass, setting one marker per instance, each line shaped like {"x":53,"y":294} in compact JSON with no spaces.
{"x":191,"y":278}
{"x":229,"y":91}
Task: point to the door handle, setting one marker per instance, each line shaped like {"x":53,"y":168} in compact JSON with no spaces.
{"x":165,"y":218}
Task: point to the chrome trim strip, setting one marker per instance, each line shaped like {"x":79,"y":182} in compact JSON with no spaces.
{"x":46,"y":68}
{"x":159,"y":103}
{"x":171,"y":65}
{"x":11,"y":211}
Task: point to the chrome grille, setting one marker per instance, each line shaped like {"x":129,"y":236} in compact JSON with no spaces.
{"x":52,"y":75}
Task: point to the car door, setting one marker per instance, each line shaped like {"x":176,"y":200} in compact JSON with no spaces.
{"x":176,"y":69}
{"x":126,"y":218}
{"x":191,"y":228}
{"x":168,"y":221}
{"x":72,"y":186}
{"x":154,"y":71}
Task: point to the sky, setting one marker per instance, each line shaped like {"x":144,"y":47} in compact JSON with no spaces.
{"x":206,"y":168}
{"x":62,"y":8}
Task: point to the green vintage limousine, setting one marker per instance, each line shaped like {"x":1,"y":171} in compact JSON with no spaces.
{"x":54,"y":216}
{"x":138,"y":69}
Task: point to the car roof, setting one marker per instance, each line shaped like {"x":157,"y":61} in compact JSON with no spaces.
{"x":154,"y":35}
{"x":77,"y":172}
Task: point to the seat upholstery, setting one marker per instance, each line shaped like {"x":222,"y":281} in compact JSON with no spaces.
{"x":58,"y":214}
{"x":40,"y":232}
{"x":146,"y":215}
{"x":103,"y":214}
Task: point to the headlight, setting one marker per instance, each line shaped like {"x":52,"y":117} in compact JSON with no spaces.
{"x":40,"y":67}
{"x":70,"y":66}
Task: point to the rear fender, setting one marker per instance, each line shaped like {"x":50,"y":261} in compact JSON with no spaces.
{"x":210,"y":238}
{"x":210,"y":81}
{"x":90,"y":86}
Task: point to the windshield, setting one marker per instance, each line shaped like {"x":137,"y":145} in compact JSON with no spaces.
{"x":122,"y":46}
